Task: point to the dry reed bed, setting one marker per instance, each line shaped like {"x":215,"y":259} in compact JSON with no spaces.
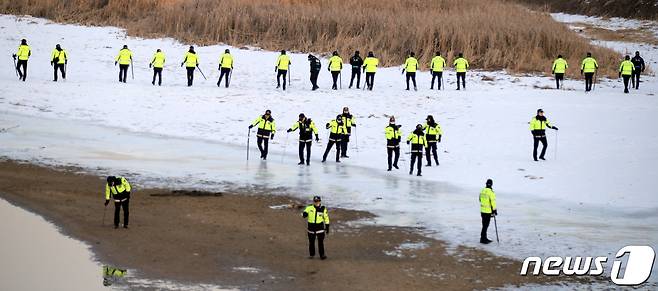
{"x":492,"y":34}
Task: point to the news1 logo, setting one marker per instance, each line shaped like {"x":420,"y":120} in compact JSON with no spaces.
{"x":637,"y":269}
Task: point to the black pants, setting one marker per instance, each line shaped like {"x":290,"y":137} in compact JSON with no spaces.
{"x":311,"y":243}
{"x":334,"y":76}
{"x":627,"y":79}
{"x":636,"y":79}
{"x":59,"y":67}
{"x":429,"y":151}
{"x":356,"y":72}
{"x":370,"y":80}
{"x":123,"y":73}
{"x":263,"y":144}
{"x":330,"y":144}
{"x":343,"y":145}
{"x":544,"y":142}
{"x":438,"y":76}
{"x":190,"y":75}
{"x":390,"y":151}
{"x":486,"y":219}
{"x":157,"y":72}
{"x":22,"y":74}
{"x":411,"y":76}
{"x":416,"y":157}
{"x":117,"y":210}
{"x":280,"y":73}
{"x":588,"y":81}
{"x":461,"y":75}
{"x":223,"y":72}
{"x":307,"y":145}
{"x":314,"y":79}
{"x":559,"y":78}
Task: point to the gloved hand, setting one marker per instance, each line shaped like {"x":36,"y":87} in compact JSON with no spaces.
{"x":495,"y":212}
{"x":51,"y":63}
{"x":402,"y":72}
{"x":251,"y":126}
{"x":619,"y":75}
{"x":181,"y":64}
{"x":272,"y":136}
{"x":353,"y":124}
{"x":13,"y":56}
{"x":150,"y":66}
{"x":553,"y":72}
{"x":275,"y":70}
{"x":317,"y":139}
{"x":581,"y":72}
{"x":439,"y":138}
{"x":555,"y":127}
{"x":305,"y":214}
{"x":107,"y":202}
{"x":115,"y":63}
{"x":289,"y":130}
{"x":407,"y":142}
{"x":66,"y":61}
{"x":326,"y":228}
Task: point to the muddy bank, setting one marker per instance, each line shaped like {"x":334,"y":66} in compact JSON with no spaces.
{"x":239,"y":240}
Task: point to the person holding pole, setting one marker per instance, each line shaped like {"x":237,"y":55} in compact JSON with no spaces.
{"x":626,"y":69}
{"x":393,"y":138}
{"x":335,"y":67}
{"x":306,"y":128}
{"x":191,"y":61}
{"x":23,"y":54}
{"x":266,"y":129}
{"x":225,"y":67}
{"x":538,"y":126}
{"x":157,"y":62}
{"x":589,"y":66}
{"x":58,"y":59}
{"x":124,"y":59}
{"x":411,"y":66}
{"x":437,"y":65}
{"x":560,"y":67}
{"x":282,"y":66}
{"x":487,"y":210}
{"x":370,"y":68}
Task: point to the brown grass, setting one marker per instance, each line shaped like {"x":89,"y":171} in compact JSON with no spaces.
{"x":640,"y":9}
{"x":492,"y":34}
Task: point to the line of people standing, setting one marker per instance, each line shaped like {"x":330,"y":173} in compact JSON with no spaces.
{"x":629,"y":70}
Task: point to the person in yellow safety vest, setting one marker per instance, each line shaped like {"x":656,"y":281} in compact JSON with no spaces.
{"x":393,"y":137}
{"x":225,"y":67}
{"x":124,"y":59}
{"x":461,"y":66}
{"x":317,"y":217}
{"x":266,"y":129}
{"x":306,"y":128}
{"x":337,"y":132}
{"x":282,"y":66}
{"x":487,"y":209}
{"x":58,"y":59}
{"x":191,"y":62}
{"x":349,"y":122}
{"x":418,"y":142}
{"x":335,"y":67}
{"x":23,"y":54}
{"x":118,"y":189}
{"x":437,"y":64}
{"x":411,"y":66}
{"x":538,"y":125}
{"x":157,"y":62}
{"x":589,"y":66}
{"x":433,"y":135}
{"x":626,"y":69}
{"x":560,"y":66}
{"x":370,"y":68}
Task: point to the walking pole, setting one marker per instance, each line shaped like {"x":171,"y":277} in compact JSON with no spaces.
{"x":289,"y":83}
{"x":285,"y":146}
{"x":228,"y":83}
{"x":132,"y":70}
{"x":556,"y":140}
{"x":204,"y":76}
{"x":356,"y":140}
{"x":16,"y":68}
{"x":443,"y":85}
{"x":340,"y":76}
{"x":495,"y":223}
{"x":248,"y":134}
{"x":594,"y":86}
{"x":104,"y":210}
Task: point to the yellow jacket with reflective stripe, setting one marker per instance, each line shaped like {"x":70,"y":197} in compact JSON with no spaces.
{"x":311,"y":127}
{"x":417,"y":139}
{"x":348,"y":121}
{"x":335,"y":63}
{"x":392,"y":133}
{"x":262,"y":123}
{"x":460,"y":64}
{"x":334,"y":127}
{"x":283,"y":62}
{"x":411,"y":65}
{"x":487,"y":200}
{"x":371,"y":64}
{"x":560,"y":66}
{"x":437,"y":64}
{"x":432,"y":130}
{"x":536,"y":124}
{"x":589,"y":65}
{"x":158,"y":60}
{"x":626,"y":67}
{"x":191,"y":60}
{"x":23,"y":52}
{"x":317,"y":217}
{"x":116,"y":189}
{"x":226,"y":61}
{"x":58,"y":56}
{"x":124,"y":57}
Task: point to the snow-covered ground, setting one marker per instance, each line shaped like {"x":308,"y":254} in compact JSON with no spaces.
{"x":593,"y":195}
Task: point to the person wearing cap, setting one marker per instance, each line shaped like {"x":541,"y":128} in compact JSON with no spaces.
{"x":411,"y":66}
{"x":282,"y":66}
{"x":317,"y":217}
{"x":118,"y":188}
{"x":638,"y":62}
{"x":487,"y":209}
{"x":124,"y":59}
{"x":58,"y":59}
{"x":23,"y":54}
{"x":266,"y":129}
{"x":225,"y":67}
{"x":356,"y":61}
{"x":315,"y":65}
{"x":538,"y":126}
{"x":626,"y":69}
{"x":461,"y":66}
{"x":437,"y":65}
{"x":335,"y":66}
{"x":370,"y":68}
{"x":393,"y":137}
{"x":418,"y":142}
{"x":306,"y":128}
{"x":157,"y":62}
{"x":589,"y":66}
{"x":191,"y":62}
{"x":560,"y":66}
{"x":433,"y":135}
{"x":337,"y":132}
{"x":349,"y":122}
